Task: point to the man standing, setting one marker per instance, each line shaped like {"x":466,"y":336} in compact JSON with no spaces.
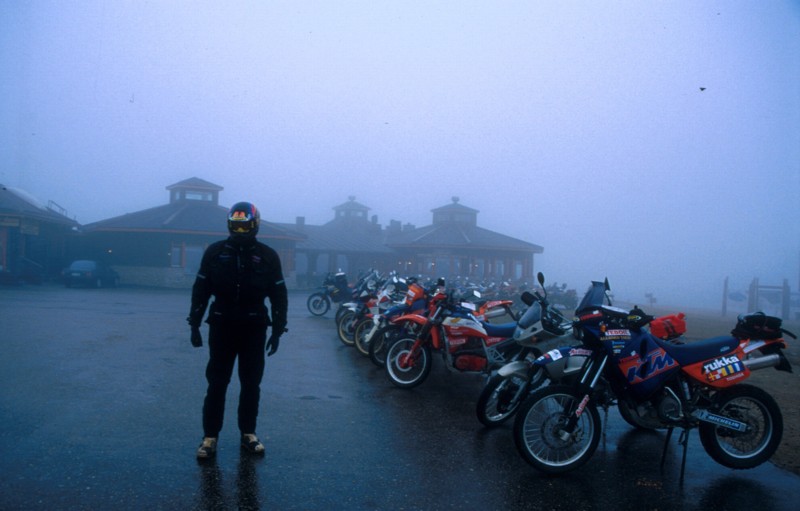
{"x":240,"y":272}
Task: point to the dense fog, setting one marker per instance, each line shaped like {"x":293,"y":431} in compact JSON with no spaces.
{"x":654,"y":144}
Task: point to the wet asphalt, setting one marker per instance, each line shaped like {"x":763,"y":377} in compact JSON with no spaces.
{"x":100,"y":397}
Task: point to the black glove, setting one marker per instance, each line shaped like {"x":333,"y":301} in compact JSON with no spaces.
{"x":272,"y":343}
{"x":197,"y":339}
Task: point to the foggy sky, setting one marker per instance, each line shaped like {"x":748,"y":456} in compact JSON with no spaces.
{"x":657,"y":144}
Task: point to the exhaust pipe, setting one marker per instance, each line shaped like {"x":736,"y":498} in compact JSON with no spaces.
{"x":762,"y":362}
{"x":495,"y":313}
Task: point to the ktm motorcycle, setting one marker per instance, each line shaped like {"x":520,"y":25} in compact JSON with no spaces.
{"x":466,"y":343}
{"x":691,"y":385}
{"x":542,"y":321}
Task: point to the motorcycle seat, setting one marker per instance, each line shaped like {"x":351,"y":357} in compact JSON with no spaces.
{"x":698,"y":351}
{"x":501,"y":330}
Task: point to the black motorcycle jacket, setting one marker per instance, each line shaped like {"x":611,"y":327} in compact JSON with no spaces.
{"x":240,"y":277}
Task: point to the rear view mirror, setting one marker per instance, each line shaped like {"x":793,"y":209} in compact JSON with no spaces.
{"x":527,"y":298}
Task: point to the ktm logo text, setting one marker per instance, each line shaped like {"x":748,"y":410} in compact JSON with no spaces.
{"x":637,"y":370}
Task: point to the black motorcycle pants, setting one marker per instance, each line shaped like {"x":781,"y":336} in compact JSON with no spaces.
{"x":228,"y":342}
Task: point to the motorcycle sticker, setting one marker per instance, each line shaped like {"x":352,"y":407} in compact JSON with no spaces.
{"x":552,"y":355}
{"x":638,"y":369}
{"x":722,"y":367}
{"x":620,"y":333}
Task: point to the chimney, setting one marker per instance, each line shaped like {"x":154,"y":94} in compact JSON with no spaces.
{"x":300,"y":222}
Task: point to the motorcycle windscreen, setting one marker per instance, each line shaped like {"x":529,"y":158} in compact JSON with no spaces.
{"x":594,"y":297}
{"x":531,"y":316}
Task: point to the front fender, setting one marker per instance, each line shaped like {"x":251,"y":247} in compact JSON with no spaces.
{"x":517,"y":368}
{"x":412,"y":318}
{"x":564,"y":361}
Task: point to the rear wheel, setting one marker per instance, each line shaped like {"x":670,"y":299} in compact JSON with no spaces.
{"x":346,"y":328}
{"x":408,"y":364}
{"x":318,"y":304}
{"x":539,"y":430}
{"x":763,"y":422}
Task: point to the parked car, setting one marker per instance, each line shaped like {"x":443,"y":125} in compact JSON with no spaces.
{"x":90,"y":274}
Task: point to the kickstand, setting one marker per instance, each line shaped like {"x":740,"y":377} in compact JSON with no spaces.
{"x":684,"y":441}
{"x":666,"y":446}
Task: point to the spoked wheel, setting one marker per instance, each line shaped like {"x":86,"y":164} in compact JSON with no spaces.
{"x":318,"y":304}
{"x":346,"y":328}
{"x":500,"y":399}
{"x":762,"y":424}
{"x":380,"y":341}
{"x":361,"y":335}
{"x":539,"y":430}
{"x":407,"y":363}
{"x":342,"y":310}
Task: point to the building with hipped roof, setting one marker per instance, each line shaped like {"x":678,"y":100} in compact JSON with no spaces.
{"x":162,"y":246}
{"x":33,"y":237}
{"x":452,"y":246}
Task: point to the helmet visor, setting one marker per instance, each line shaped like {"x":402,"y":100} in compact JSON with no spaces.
{"x":242,"y":222}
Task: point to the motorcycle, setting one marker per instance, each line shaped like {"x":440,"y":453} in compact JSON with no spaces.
{"x":542,"y":321}
{"x":364,"y":296}
{"x":334,"y":290}
{"x":392,"y":324}
{"x":692,"y":385}
{"x":387,"y":298}
{"x":506,"y":389}
{"x":372,"y":333}
{"x":466,"y":342}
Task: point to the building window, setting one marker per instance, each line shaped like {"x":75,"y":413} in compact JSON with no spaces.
{"x":199,"y":196}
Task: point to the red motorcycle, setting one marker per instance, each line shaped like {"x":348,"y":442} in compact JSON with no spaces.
{"x":456,"y":330}
{"x":383,"y":329}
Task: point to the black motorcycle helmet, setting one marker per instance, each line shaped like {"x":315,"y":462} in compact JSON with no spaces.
{"x":243,"y":221}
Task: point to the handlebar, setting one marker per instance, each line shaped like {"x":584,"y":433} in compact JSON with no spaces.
{"x":635,"y":318}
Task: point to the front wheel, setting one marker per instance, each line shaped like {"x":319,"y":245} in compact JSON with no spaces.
{"x":407,"y":362}
{"x":762,"y":417}
{"x":318,"y":304}
{"x":500,"y":399}
{"x":380,"y":341}
{"x":361,"y":335}
{"x":346,"y":328}
{"x":539,"y":430}
{"x":341,"y":311}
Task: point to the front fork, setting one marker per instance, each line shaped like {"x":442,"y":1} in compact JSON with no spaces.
{"x":591,"y":375}
{"x":409,"y":359}
{"x":377,"y":322}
